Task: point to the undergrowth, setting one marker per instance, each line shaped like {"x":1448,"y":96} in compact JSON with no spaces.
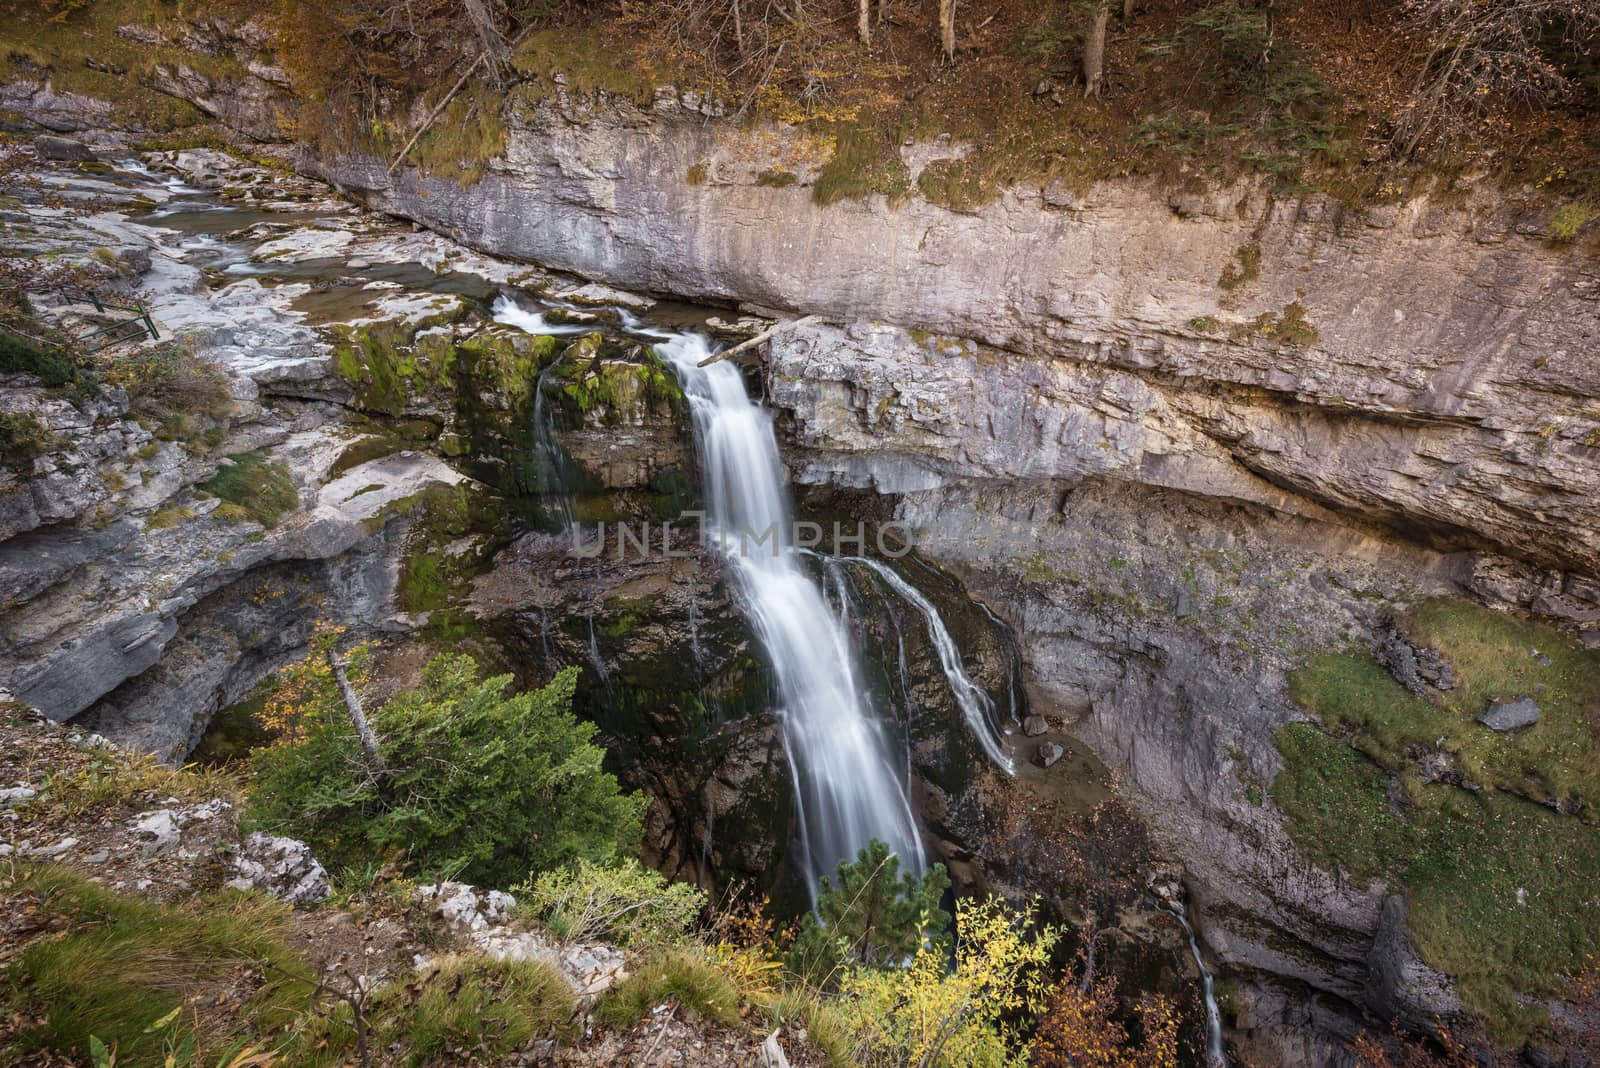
{"x":1499,"y":883}
{"x":124,"y":970}
{"x":260,"y":486}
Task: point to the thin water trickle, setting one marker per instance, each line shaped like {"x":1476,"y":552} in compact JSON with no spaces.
{"x":975,"y":704}
{"x":694,"y":635}
{"x":594,"y":655}
{"x":1216,"y":1057}
{"x":549,"y":459}
{"x":846,"y":785}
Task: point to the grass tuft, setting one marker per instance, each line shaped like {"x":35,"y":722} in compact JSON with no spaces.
{"x":490,"y":1006}
{"x":866,"y":159}
{"x":124,"y":969}
{"x":680,"y":975}
{"x":259,"y":486}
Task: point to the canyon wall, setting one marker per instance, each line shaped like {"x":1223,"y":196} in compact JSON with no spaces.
{"x":1180,"y":442}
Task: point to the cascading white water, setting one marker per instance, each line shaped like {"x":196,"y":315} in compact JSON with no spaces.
{"x":847,"y":790}
{"x":976,"y":707}
{"x":511,"y":313}
{"x":1216,"y":1057}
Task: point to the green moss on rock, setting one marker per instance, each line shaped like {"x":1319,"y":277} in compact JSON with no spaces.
{"x":392,"y":363}
{"x":1499,"y":879}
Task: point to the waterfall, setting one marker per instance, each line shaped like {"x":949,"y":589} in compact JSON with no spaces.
{"x":976,"y":706}
{"x":550,"y":461}
{"x":1215,"y":1057}
{"x":595,"y":658}
{"x":846,"y":788}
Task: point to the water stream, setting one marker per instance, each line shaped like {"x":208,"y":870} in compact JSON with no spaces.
{"x":977,"y":708}
{"x":848,"y":775}
{"x":845,"y":782}
{"x":1216,"y":1057}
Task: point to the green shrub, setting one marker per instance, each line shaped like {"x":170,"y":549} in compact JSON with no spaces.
{"x":1566,"y":221}
{"x":874,"y":915}
{"x":680,"y":975}
{"x":20,"y":356}
{"x":124,"y":969}
{"x":22,"y":438}
{"x":262,"y":487}
{"x":628,"y":904}
{"x":469,"y":781}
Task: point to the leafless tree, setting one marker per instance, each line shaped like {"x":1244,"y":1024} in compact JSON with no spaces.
{"x":1487,"y":55}
{"x":947,"y":28}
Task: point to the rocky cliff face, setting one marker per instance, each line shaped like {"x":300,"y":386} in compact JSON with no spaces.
{"x":1179,"y":442}
{"x":1420,"y":364}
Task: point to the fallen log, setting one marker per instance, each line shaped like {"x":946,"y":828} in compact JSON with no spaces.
{"x":751,"y":343}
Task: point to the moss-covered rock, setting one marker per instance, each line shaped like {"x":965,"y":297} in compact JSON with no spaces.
{"x":399,"y":365}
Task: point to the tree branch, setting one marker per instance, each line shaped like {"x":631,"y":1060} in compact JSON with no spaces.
{"x":758,"y":339}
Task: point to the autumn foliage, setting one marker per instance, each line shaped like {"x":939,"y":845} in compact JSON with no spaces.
{"x":1082,"y":1030}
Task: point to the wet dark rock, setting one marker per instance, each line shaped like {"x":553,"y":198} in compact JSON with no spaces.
{"x":1048,"y":754}
{"x":1401,"y":982}
{"x":1415,"y":667}
{"x":62,"y":149}
{"x":1511,"y":715}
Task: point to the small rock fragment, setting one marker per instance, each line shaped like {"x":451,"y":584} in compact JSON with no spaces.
{"x":1511,"y":715}
{"x":53,"y":850}
{"x":158,"y":830}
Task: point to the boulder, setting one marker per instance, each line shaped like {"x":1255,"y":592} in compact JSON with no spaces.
{"x":1401,"y":983}
{"x":1034,"y":726}
{"x":1511,"y":715}
{"x":64,"y":149}
{"x":1048,"y":754}
{"x":283,"y":867}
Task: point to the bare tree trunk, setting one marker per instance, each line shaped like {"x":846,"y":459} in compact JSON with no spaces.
{"x":738,"y":27}
{"x":864,"y":21}
{"x":493,"y":45}
{"x":1127,"y":12}
{"x":352,"y":705}
{"x":1094,"y":51}
{"x":947,"y":27}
